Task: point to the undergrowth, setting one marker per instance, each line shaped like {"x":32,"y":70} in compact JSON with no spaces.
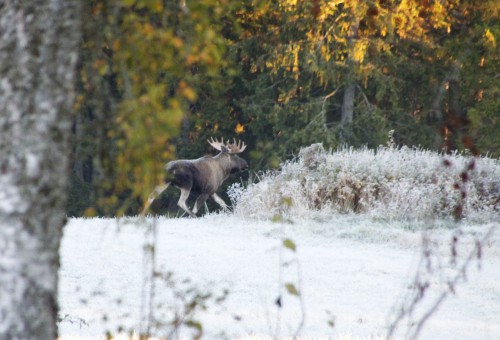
{"x":388,"y":183}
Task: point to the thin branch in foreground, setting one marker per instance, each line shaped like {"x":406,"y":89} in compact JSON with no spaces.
{"x":422,"y":284}
{"x":461,"y":275}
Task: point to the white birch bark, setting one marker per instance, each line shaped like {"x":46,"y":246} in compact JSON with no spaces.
{"x":38,"y":52}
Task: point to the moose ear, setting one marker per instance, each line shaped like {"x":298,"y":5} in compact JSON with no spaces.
{"x":224,"y":149}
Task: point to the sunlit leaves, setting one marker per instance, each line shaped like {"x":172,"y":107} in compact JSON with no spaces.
{"x":240,"y":128}
{"x":397,"y":53}
{"x":489,"y":39}
{"x":359,"y":51}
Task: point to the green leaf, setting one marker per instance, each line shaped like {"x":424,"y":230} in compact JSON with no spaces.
{"x":195,"y":325}
{"x":287,"y":243}
{"x":277,"y":218}
{"x":292,"y":290}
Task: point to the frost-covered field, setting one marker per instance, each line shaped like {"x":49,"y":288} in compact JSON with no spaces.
{"x":353,"y":270}
{"x":357,"y":220}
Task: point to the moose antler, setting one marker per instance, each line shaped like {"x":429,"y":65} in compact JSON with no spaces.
{"x":216,"y":144}
{"x":235,"y":147}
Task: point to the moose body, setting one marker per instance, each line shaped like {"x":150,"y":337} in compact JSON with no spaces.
{"x":202,"y":177}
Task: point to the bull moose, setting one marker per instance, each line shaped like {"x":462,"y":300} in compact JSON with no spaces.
{"x":203,"y":176}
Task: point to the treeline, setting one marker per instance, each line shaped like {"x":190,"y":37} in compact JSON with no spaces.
{"x":157,"y":78}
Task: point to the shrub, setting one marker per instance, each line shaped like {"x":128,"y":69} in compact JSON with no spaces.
{"x":387,"y":183}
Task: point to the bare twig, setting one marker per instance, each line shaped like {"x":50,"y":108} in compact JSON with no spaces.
{"x":321,"y":115}
{"x":421,"y":284}
{"x":301,"y":299}
{"x":459,"y":276}
{"x":365,"y":98}
{"x":149,"y":275}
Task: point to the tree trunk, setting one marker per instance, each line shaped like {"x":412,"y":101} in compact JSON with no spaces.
{"x":348,"y":105}
{"x":347,"y":112}
{"x":38,"y":52}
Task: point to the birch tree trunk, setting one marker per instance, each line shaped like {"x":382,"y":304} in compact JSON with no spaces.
{"x":38,"y":52}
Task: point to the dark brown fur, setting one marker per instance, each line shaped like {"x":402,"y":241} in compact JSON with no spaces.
{"x":201,"y":177}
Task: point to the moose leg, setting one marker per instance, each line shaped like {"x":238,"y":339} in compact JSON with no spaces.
{"x":199,"y":202}
{"x":220,"y":202}
{"x":182,"y":201}
{"x":152,"y":196}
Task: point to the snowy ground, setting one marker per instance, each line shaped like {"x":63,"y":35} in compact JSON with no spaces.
{"x":353,"y":272}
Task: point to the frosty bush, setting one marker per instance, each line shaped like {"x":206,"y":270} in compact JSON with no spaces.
{"x":388,"y":183}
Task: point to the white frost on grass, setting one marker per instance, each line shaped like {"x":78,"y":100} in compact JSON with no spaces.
{"x":387,"y":183}
{"x":353,"y":269}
